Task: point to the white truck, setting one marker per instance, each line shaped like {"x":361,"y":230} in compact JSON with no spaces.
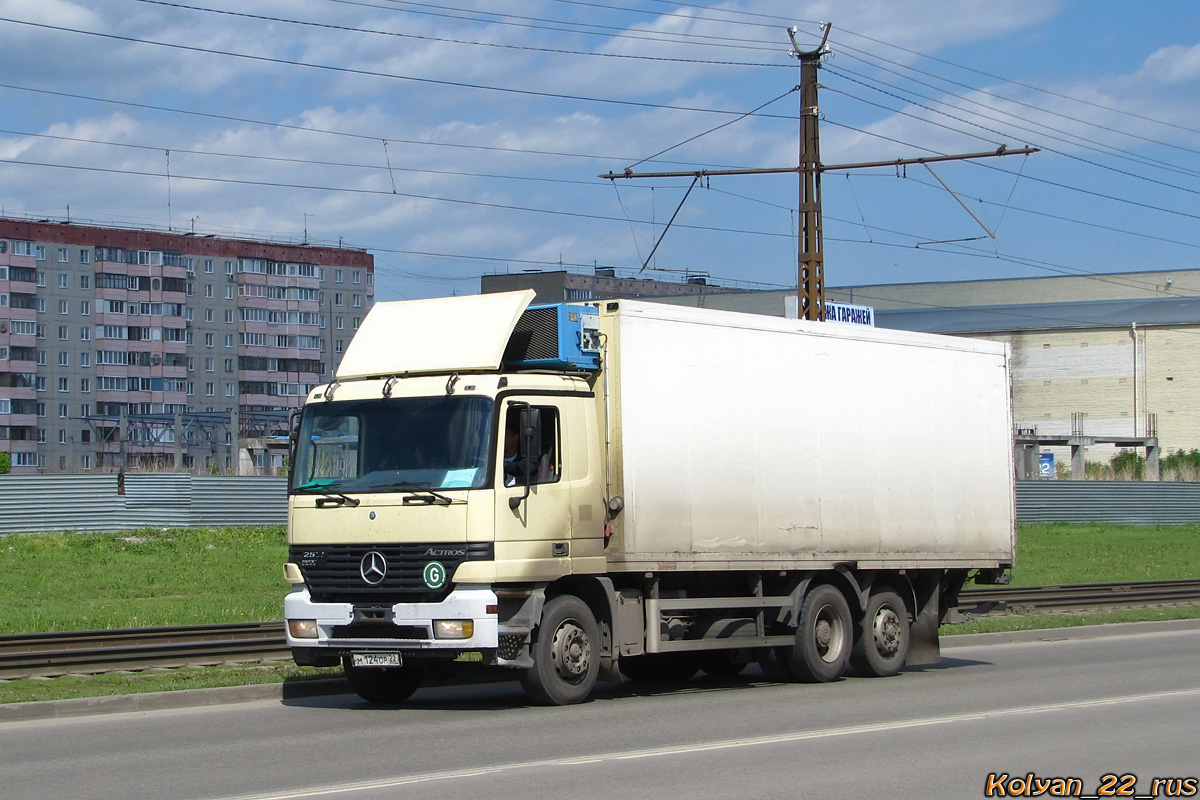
{"x":580,"y":491}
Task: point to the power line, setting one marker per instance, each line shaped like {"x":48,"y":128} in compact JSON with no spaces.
{"x":374,"y":74}
{"x":441,"y":39}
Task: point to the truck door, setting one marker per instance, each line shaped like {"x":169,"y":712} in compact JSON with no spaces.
{"x":533,"y":520}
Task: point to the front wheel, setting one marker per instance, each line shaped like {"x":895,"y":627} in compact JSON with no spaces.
{"x":387,"y":685}
{"x":881,"y":641}
{"x":823,"y":637}
{"x":566,"y":654}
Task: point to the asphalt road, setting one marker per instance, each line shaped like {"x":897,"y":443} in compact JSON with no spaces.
{"x":1116,"y":702}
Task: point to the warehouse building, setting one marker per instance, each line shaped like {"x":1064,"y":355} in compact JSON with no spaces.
{"x":132,"y":348}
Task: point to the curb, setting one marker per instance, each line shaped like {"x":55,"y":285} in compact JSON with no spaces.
{"x":195,"y":698}
{"x":163,"y":701}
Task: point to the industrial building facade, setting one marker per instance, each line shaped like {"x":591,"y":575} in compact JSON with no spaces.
{"x":1096,"y":359}
{"x":122,"y":348}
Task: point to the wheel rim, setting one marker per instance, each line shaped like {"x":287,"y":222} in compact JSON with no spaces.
{"x":571,"y":651}
{"x":886,"y":631}
{"x":829,"y":634}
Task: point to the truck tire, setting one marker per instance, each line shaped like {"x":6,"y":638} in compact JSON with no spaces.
{"x":386,"y":685}
{"x":881,"y":636}
{"x":566,"y":654}
{"x":824,"y":637}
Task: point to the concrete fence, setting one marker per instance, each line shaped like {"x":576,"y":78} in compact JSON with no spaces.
{"x":30,"y":503}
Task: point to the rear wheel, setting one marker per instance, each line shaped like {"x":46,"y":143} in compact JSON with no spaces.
{"x":383,"y":684}
{"x":824,"y":637}
{"x":882,"y":636}
{"x":566,"y":654}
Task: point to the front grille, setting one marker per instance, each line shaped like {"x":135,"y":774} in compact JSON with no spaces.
{"x":333,"y":572}
{"x":375,"y":630}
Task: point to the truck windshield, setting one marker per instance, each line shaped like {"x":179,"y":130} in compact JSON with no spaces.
{"x":393,"y":445}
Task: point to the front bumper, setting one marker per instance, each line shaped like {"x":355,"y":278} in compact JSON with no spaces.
{"x":406,"y":627}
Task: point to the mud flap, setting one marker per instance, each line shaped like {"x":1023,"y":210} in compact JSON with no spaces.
{"x":924,"y":648}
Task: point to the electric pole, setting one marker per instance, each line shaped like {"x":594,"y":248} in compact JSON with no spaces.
{"x":810,"y":271}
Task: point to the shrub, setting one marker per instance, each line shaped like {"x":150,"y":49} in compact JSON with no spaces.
{"x":5,"y":463}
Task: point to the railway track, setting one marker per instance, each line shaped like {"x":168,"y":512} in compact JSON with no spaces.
{"x":85,"y":652}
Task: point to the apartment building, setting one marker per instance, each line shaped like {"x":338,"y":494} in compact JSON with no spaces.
{"x":142,"y":348}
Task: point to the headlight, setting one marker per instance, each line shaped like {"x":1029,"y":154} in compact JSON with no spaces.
{"x":303,"y":628}
{"x":453,"y":629}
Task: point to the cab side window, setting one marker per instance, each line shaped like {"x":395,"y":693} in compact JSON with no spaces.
{"x":543,"y":462}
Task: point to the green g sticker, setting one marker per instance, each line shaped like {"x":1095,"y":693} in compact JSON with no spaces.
{"x":435,"y":575}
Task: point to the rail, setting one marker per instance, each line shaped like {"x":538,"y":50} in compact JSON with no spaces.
{"x":84,"y":652}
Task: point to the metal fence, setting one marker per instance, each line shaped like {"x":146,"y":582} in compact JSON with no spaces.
{"x":1120,"y":502}
{"x":30,"y":503}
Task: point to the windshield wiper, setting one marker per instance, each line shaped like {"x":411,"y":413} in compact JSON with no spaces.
{"x":421,"y":493}
{"x":328,"y":498}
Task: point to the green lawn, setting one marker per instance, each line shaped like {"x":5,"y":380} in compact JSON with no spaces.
{"x":143,"y":578}
{"x":69,"y":581}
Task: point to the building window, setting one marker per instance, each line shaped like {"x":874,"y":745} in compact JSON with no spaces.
{"x":85,"y":282}
{"x":337,"y":276}
{"x":85,"y":385}
{"x":64,"y":332}
{"x":62,"y":410}
{"x":63,"y":385}
{"x":209,"y":364}
{"x":229,"y":315}
{"x":64,"y":307}
{"x":40,"y":383}
{"x":337,"y":323}
{"x":229,"y":390}
{"x":208,"y":340}
{"x":228,"y":292}
{"x":85,"y":359}
{"x":62,"y":255}
{"x":62,"y":436}
{"x":63,"y":280}
{"x":357,"y":275}
{"x":337,"y":298}
{"x":228,"y":267}
{"x":208,"y":315}
{"x":40,"y":305}
{"x":85,"y":308}
{"x":208,"y":290}
{"x":85,"y":334}
{"x":41,"y":435}
{"x":41,"y":358}
{"x":64,"y":358}
{"x":229,"y":340}
{"x":85,"y":410}
{"x":358,"y":301}
{"x":229,"y":365}
{"x":41,"y":409}
{"x":40,"y":252}
{"x":85,"y":256}
{"x":210,"y":389}
{"x":337,"y":346}
{"x":85,"y":462}
{"x":208,"y":266}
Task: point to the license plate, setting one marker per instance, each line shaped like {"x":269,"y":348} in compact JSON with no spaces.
{"x":376,"y":659}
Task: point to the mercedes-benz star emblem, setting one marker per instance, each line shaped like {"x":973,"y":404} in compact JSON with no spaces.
{"x":373,"y":568}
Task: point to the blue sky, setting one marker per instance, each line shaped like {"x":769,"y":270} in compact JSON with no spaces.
{"x":454,"y":138}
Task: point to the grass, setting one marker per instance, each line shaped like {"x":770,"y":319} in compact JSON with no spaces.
{"x":142,"y":578}
{"x":70,"y":581}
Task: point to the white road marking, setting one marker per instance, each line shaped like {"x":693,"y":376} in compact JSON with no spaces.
{"x":727,"y":744}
